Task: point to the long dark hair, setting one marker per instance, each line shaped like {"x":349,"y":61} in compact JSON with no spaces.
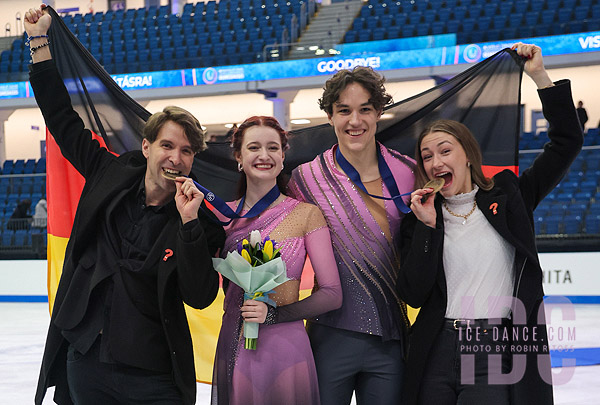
{"x":469,"y":144}
{"x":238,"y":139}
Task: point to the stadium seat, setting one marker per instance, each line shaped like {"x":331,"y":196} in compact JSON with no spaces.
{"x":553,"y":225}
{"x":7,"y":237}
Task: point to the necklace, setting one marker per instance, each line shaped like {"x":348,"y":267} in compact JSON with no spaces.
{"x":459,"y":215}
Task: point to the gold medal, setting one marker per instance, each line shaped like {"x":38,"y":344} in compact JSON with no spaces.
{"x":436,"y":184}
{"x":170,"y":176}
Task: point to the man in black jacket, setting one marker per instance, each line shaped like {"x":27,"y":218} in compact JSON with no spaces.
{"x":140,"y":246}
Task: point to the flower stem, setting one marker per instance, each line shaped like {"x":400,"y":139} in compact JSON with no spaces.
{"x":250,"y":343}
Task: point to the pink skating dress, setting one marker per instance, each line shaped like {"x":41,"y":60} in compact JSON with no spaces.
{"x":282,"y":369}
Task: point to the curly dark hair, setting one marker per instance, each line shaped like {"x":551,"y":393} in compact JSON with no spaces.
{"x":366,"y":77}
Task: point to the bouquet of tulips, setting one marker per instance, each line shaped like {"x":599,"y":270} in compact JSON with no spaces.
{"x":256,"y":267}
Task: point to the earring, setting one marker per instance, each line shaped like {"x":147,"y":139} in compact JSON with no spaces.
{"x":240,"y":168}
{"x":282,"y":166}
{"x":468,"y":164}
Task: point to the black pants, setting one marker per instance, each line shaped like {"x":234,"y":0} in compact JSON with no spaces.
{"x":349,"y":361}
{"x":92,"y":382}
{"x":457,"y":368}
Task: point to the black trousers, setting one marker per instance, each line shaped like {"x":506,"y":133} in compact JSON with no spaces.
{"x":92,"y":382}
{"x":350,"y":362}
{"x":458,"y":368}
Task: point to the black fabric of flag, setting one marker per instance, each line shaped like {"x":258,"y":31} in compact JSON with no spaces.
{"x":485,"y":97}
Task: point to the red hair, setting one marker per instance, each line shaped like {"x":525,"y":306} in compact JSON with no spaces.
{"x":238,"y":140}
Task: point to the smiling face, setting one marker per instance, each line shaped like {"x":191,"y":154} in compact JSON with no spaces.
{"x":171,"y":152}
{"x":261,"y":154}
{"x":443,"y":156}
{"x":354,"y":119}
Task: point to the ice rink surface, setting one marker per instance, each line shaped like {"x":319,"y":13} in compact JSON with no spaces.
{"x":23,"y":329}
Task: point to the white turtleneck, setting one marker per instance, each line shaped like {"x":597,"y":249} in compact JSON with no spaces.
{"x":478,"y":263}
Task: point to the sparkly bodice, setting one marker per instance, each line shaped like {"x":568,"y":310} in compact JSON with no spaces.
{"x":286,"y":223}
{"x":367,"y":259}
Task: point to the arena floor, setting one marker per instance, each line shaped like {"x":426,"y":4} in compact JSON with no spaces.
{"x":23,"y":330}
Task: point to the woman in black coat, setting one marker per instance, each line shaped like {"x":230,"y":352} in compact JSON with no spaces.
{"x":469,"y":261}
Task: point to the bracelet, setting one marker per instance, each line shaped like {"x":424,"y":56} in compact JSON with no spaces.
{"x":35,"y":48}
{"x":34,"y":37}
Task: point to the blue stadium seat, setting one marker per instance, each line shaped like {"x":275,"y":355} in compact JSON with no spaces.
{"x":474,"y":11}
{"x":7,"y":237}
{"x":548,"y":16}
{"x":499,"y":21}
{"x":350,"y":36}
{"x":366,"y":36}
{"x":572,"y":224}
{"x":21,"y":238}
{"x":564,"y":15}
{"x":401,"y":19}
{"x":429,"y":16}
{"x":583,"y":195}
{"x":589,"y":185}
{"x":553,"y":4}
{"x":438,"y":27}
{"x":408,"y":30}
{"x":40,"y":166}
{"x":452,"y":26}
{"x":577,"y":208}
{"x":568,"y":186}
{"x":7,"y":167}
{"x":422,"y":29}
{"x":26,"y":190}
{"x":592,"y":225}
{"x":553,"y":225}
{"x":531,"y":18}
{"x":393,"y":32}
{"x":581,"y":12}
{"x":29,"y":166}
{"x":19,"y":166}
{"x":566,"y":196}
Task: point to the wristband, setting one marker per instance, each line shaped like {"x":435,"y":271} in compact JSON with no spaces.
{"x":34,"y":37}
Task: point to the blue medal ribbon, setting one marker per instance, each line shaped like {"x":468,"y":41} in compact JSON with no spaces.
{"x":224,"y":209}
{"x":261,"y":296}
{"x":386,"y":176}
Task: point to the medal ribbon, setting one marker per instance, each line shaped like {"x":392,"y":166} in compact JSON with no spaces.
{"x":386,"y":176}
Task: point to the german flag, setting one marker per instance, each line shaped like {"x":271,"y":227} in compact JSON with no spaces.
{"x":486,"y":98}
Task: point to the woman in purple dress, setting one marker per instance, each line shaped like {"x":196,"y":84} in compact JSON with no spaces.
{"x":281,"y":370}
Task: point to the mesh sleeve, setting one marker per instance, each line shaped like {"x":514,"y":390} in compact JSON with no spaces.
{"x":314,"y":219}
{"x":329,"y":295}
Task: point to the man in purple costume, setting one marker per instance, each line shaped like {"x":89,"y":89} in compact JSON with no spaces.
{"x":359,"y":347}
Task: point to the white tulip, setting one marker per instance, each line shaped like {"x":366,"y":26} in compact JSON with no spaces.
{"x":254,"y":238}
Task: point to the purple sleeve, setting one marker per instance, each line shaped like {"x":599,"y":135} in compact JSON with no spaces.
{"x":329,"y":295}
